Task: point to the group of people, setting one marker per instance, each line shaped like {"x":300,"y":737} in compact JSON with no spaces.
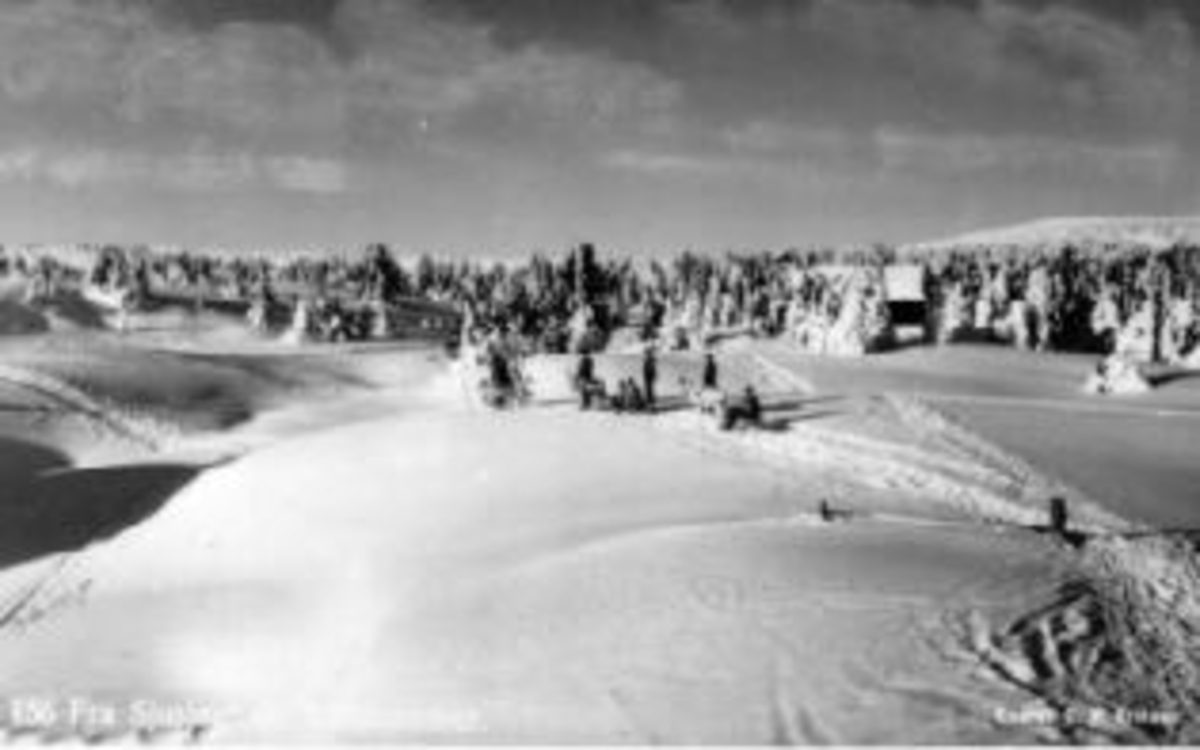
{"x":628,"y":396}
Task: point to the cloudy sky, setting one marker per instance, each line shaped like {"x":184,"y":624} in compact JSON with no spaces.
{"x":641,"y":125}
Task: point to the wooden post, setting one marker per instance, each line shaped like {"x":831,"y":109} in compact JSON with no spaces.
{"x":826,"y":511}
{"x":1058,"y":515}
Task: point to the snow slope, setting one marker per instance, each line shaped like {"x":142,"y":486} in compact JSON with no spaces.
{"x":529,"y":577}
{"x":377,"y":559}
{"x":1148,"y":231}
{"x":1137,"y":456}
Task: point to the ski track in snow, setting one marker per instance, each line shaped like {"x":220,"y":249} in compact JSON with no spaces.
{"x":950,"y":479}
{"x":108,"y":417}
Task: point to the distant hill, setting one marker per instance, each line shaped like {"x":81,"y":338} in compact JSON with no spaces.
{"x":1150,"y":231}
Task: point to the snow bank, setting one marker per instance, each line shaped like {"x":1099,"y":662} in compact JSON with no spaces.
{"x":1114,"y":656}
{"x":1150,"y":592}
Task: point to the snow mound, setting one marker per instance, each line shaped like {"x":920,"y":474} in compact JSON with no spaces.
{"x":1115,"y":656}
{"x":1118,"y":376}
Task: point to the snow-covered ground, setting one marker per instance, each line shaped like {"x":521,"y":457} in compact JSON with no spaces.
{"x":230,"y":541}
{"x":1139,"y":456}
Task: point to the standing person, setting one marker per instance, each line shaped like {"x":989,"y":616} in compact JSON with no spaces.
{"x":585,"y":375}
{"x":637,"y":399}
{"x":753,"y":406}
{"x":649,"y":376}
{"x":621,"y":403}
{"x":498,"y":368}
{"x":709,"y":379}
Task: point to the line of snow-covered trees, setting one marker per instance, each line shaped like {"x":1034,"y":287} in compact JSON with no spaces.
{"x":1122,"y":298}
{"x":1099,"y":297}
{"x":1091,"y":298}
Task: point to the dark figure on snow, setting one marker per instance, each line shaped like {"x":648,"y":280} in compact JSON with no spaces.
{"x":585,"y":372}
{"x":826,"y":511}
{"x":585,"y":377}
{"x":634,"y":400}
{"x":500,"y":373}
{"x":753,"y":406}
{"x":620,"y":400}
{"x":709,"y":380}
{"x":649,"y":376}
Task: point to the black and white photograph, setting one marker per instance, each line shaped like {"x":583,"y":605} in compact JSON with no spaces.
{"x":599,"y":372}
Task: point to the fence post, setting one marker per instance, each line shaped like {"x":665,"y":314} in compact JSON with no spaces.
{"x":1058,"y":515}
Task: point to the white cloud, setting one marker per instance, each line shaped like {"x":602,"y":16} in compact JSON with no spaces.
{"x":779,"y":169}
{"x":773,"y":150}
{"x":412,"y":65}
{"x":307,"y":175}
{"x":399,"y":60}
{"x":774,"y":139}
{"x":197,"y":171}
{"x":18,"y":164}
{"x":84,"y":168}
{"x":1054,"y":53}
{"x":1031,"y":157}
{"x":68,"y":49}
{"x":667,"y":163}
{"x":1052,"y":66}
